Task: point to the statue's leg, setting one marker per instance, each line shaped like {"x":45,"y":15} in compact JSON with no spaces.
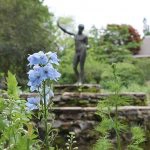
{"x":75,"y":65}
{"x":82,"y":61}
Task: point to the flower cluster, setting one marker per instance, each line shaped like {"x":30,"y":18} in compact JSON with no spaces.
{"x":42,"y":69}
{"x":33,"y":103}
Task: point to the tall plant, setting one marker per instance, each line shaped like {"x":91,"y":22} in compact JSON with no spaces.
{"x":41,"y":77}
{"x":110,"y":123}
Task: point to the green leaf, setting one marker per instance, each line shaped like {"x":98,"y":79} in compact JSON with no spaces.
{"x":12,"y":86}
{"x":103,"y":144}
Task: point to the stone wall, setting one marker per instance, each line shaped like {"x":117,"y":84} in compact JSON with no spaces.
{"x":75,"y":110}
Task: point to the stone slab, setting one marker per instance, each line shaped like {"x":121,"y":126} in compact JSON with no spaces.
{"x":88,"y":98}
{"x":77,"y":87}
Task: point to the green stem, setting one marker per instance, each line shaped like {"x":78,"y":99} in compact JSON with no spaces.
{"x":14,"y":136}
{"x":116,"y":109}
{"x":45,"y":118}
{"x":116,"y":126}
{"x":28,"y":144}
{"x":10,"y":124}
{"x":13,"y":131}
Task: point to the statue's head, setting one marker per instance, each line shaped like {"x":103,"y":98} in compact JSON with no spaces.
{"x":81,"y":27}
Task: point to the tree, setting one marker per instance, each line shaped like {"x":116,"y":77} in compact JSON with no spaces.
{"x":115,"y":42}
{"x":26,"y":27}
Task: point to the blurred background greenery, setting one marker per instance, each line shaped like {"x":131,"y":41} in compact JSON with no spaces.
{"x":27,"y":26}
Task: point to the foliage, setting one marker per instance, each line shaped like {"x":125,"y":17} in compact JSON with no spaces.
{"x":127,"y":72}
{"x":26,"y":26}
{"x":66,"y":65}
{"x":136,"y":88}
{"x":114,"y":43}
{"x":94,"y":70}
{"x":17,"y":133}
{"x":138,"y":137}
{"x":105,"y":50}
{"x":134,"y":40}
{"x":143,"y":65}
{"x":92,"y":74}
{"x":110,"y":122}
{"x":127,"y":69}
{"x":12,"y":86}
{"x":103,"y":144}
{"x":26,"y":125}
{"x":127,"y":36}
{"x":71,"y":142}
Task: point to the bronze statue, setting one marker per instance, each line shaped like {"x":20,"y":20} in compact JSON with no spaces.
{"x":81,"y":45}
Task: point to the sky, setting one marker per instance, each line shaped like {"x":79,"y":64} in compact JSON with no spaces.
{"x":102,"y":12}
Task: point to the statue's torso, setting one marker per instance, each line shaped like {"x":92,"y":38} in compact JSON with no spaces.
{"x":80,"y":42}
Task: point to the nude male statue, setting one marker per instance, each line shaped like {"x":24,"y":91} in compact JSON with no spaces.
{"x":81,"y":45}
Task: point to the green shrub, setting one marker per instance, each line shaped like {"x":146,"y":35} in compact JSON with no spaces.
{"x":144,"y":65}
{"x":128,"y":73}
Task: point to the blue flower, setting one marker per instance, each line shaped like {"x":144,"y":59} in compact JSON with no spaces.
{"x":43,"y":58}
{"x":33,"y":103}
{"x":35,"y":78}
{"x":38,"y":58}
{"x":42,"y":69}
{"x":53,"y":58}
{"x":33,"y":59}
{"x":49,"y":94}
{"x":46,"y":71}
{"x":53,"y":74}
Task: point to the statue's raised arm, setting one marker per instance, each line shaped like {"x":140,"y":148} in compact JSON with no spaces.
{"x":63,"y":29}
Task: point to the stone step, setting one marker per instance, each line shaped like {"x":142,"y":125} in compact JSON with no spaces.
{"x":89,"y":99}
{"x":71,"y":115}
{"x":83,"y":120}
{"x":76,"y":87}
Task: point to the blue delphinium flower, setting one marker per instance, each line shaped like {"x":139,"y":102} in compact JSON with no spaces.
{"x":33,"y":59}
{"x":38,"y":58}
{"x":50,"y":73}
{"x":42,"y":69}
{"x":46,"y":71}
{"x":43,"y":58}
{"x":53,"y":58}
{"x":35,"y":78}
{"x":55,"y":75}
{"x":33,"y":103}
{"x":41,"y":74}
